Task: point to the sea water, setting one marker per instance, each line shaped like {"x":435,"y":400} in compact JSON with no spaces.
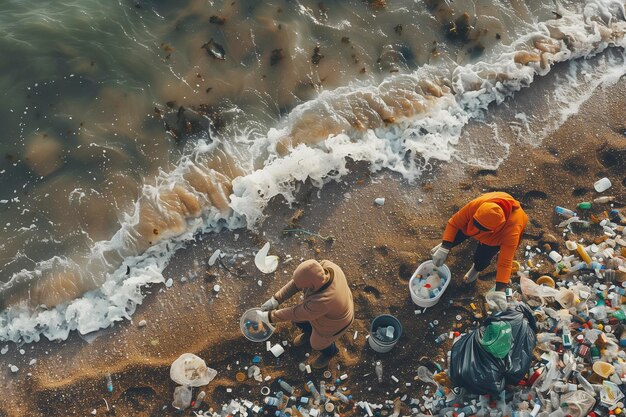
{"x":130,"y":126}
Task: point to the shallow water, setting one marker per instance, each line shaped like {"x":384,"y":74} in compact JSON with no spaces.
{"x":131,"y":125}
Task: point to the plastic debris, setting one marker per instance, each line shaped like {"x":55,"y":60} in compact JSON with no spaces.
{"x":266,"y":264}
{"x":191,"y":370}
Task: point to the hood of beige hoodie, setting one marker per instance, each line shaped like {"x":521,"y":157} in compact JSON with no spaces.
{"x":310,"y":275}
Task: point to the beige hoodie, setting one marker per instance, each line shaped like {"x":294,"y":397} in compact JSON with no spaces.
{"x":327,"y":303}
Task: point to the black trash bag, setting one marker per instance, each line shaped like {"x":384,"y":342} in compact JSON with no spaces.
{"x":476,"y":370}
{"x":524,"y":332}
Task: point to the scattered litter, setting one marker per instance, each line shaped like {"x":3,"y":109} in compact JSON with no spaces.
{"x":380,"y":201}
{"x":14,"y":368}
{"x":142,"y":323}
{"x":277,"y":350}
{"x":169,"y":282}
{"x":266,"y":264}
{"x":191,"y":370}
{"x":214,"y":257}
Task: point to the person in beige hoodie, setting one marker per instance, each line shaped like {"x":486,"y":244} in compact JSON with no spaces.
{"x":324,"y":314}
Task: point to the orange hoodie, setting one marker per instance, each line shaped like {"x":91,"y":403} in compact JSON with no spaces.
{"x":503,"y":215}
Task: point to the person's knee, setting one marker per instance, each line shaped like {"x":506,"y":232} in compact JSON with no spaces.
{"x":319,"y":342}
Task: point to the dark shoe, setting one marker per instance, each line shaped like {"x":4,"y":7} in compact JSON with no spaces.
{"x":321,"y":362}
{"x":303,"y":339}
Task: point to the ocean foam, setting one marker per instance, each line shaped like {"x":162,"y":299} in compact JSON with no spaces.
{"x":399,"y":125}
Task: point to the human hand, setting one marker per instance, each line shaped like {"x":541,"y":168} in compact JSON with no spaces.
{"x":496,"y":300}
{"x":440,"y":256}
{"x":270,"y":304}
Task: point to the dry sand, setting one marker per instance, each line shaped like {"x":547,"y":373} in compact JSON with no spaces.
{"x":377,"y":246}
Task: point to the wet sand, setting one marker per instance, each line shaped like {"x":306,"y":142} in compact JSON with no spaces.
{"x":377,"y":246}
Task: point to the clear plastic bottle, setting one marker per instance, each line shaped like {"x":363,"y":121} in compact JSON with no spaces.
{"x":564,"y":212}
{"x":323,"y":390}
{"x":604,"y":199}
{"x":586,"y":386}
{"x":311,"y":386}
{"x":272,"y":401}
{"x":441,"y":338}
{"x":199,"y":399}
{"x":285,"y":386}
{"x":342,"y":397}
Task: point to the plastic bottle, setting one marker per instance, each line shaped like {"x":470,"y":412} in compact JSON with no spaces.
{"x":109,"y":383}
{"x":378,"y":368}
{"x":286,"y":387}
{"x":585,"y":205}
{"x":425,"y":291}
{"x":604,"y":199}
{"x":342,"y":397}
{"x":272,"y":401}
{"x":583,"y":253}
{"x":564,"y":212}
{"x":199,"y":398}
{"x":586,"y":386}
{"x":468,"y":410}
{"x":313,"y":391}
{"x":441,"y":338}
{"x":323,"y":390}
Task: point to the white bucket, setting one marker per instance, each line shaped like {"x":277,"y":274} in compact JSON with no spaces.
{"x":424,"y":269}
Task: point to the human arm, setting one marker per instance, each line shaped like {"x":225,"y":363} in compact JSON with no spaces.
{"x":456,"y":223}
{"x":306,"y":311}
{"x":286,"y":292}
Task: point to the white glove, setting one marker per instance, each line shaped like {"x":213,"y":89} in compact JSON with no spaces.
{"x":263,"y":316}
{"x":270,"y":304}
{"x":440,"y":256}
{"x":496,"y":300}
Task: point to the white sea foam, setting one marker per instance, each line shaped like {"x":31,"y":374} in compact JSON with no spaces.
{"x":427,"y":124}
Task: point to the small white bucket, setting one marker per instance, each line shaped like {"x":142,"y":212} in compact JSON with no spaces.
{"x":425,"y":269}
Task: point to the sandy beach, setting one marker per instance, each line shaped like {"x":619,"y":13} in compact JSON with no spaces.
{"x":378,"y":247}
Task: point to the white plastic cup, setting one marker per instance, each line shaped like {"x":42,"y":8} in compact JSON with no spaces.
{"x":602,"y":184}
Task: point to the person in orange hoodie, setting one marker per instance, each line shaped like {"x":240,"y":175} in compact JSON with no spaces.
{"x":324,"y":314}
{"x":497,"y":221}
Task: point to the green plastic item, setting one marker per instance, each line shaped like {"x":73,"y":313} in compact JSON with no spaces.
{"x":585,"y":205}
{"x":619,"y":314}
{"x":497,"y":339}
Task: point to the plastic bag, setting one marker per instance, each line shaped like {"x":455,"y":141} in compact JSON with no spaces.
{"x":182,"y":398}
{"x":531,"y":289}
{"x":191,"y":370}
{"x":579,"y":403}
{"x":474,"y":368}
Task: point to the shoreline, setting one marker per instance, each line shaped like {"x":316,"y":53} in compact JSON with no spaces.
{"x":377,"y":246}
